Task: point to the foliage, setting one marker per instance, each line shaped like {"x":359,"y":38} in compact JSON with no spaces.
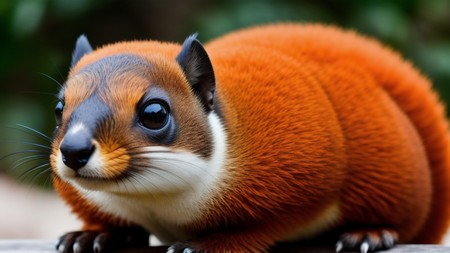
{"x":37,"y":36}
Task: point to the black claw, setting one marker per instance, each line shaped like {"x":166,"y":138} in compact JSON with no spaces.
{"x":77,"y":248}
{"x":84,"y":242}
{"x":349,"y":241}
{"x":97,"y":248}
{"x":388,"y":239}
{"x":182,"y":247}
{"x":365,"y":246}
{"x":367,"y":242}
{"x":98,"y":242}
{"x":370,"y":244}
{"x":66,"y":242}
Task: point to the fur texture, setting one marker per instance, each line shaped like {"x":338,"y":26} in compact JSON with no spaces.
{"x":321,"y":129}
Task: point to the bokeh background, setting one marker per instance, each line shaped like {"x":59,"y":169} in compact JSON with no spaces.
{"x":37,"y":38}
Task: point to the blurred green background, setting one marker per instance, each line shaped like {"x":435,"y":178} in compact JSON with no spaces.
{"x":37,"y":39}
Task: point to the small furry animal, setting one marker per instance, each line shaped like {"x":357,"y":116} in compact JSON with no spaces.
{"x":271,"y":134}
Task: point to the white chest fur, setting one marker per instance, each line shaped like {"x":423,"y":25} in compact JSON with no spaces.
{"x":162,"y":200}
{"x":160,"y":217}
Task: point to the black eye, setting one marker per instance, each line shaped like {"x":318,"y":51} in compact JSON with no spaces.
{"x":58,"y":112}
{"x":154,"y":115}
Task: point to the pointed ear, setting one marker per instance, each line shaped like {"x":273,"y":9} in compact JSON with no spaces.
{"x":198,"y":70}
{"x":82,"y":47}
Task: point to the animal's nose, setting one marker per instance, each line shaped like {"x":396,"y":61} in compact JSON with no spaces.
{"x":76,"y":149}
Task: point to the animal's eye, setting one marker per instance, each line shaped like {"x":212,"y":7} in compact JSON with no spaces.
{"x":154,"y":115}
{"x":58,"y":112}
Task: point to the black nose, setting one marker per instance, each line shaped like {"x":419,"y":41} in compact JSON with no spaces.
{"x":76,"y":149}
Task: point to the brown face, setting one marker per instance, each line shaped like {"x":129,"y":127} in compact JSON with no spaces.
{"x":124,"y":117}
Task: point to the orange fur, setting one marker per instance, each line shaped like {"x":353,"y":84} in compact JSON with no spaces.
{"x":385,"y":110}
{"x":315,"y":117}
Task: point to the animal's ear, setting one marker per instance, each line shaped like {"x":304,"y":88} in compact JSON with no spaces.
{"x":198,"y":70}
{"x":82,"y":47}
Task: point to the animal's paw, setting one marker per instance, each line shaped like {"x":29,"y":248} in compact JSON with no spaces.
{"x":367,"y":240}
{"x":182,"y":247}
{"x":83,"y":241}
{"x":101,"y":241}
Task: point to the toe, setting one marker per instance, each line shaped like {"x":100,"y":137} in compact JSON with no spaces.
{"x":367,"y":240}
{"x":84,"y":242}
{"x":100,"y":242}
{"x":181,"y":247}
{"x":66,"y":242}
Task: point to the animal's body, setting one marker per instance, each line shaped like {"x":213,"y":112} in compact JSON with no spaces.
{"x":275,"y":133}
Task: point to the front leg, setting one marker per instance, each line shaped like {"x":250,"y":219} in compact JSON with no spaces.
{"x":98,"y":241}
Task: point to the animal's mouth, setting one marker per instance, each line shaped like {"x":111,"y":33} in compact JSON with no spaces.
{"x":97,"y":169}
{"x":91,"y":182}
{"x":95,"y":178}
{"x":90,"y":178}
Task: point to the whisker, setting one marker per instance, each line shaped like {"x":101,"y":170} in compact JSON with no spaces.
{"x":51,"y":78}
{"x":29,"y":130}
{"x":33,"y":169}
{"x":41,"y":93}
{"x":46,"y":173}
{"x":26,"y":151}
{"x":36,"y":168}
{"x":47,"y":181}
{"x":140,"y":182}
{"x":133,"y":178}
{"x":27,"y":159}
{"x":153,"y":169}
{"x":57,"y":70}
{"x":136,"y":175}
{"x":174,"y":161}
{"x":26,"y":143}
{"x":124,"y":181}
{"x":142,"y":152}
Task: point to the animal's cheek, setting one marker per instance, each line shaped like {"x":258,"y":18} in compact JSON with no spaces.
{"x":114,"y":163}
{"x":103,"y":164}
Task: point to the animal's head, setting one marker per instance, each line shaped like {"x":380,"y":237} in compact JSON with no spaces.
{"x":137,"y":117}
